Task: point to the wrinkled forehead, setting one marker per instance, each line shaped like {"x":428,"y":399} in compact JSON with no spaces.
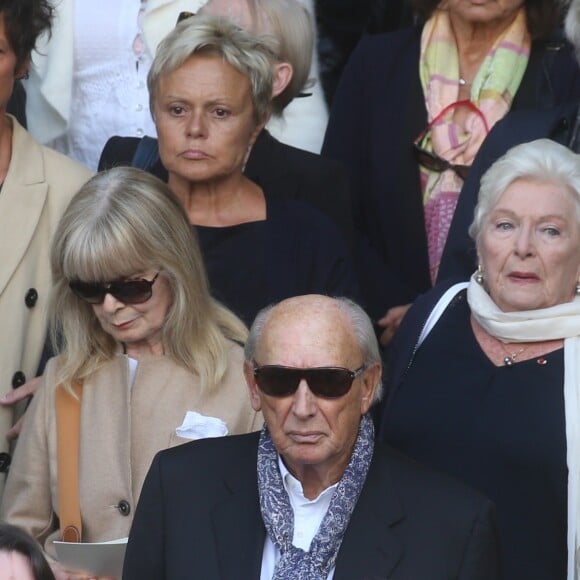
{"x":307,"y":334}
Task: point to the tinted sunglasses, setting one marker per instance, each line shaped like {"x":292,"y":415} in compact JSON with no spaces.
{"x":327,"y":382}
{"x":126,"y":291}
{"x":431,"y":161}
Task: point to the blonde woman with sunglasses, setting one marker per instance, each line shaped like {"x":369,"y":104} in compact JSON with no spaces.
{"x":159,"y":361}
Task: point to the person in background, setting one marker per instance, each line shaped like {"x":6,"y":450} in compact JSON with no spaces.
{"x":300,"y":113}
{"x":88,"y":82}
{"x":560,"y":123}
{"x":413,"y":108}
{"x":153,"y":358}
{"x":36,"y":185}
{"x":211,"y":90}
{"x":310,"y":497}
{"x":21,"y":557}
{"x":342,"y":23}
{"x":484,"y":377}
{"x":88,"y":79}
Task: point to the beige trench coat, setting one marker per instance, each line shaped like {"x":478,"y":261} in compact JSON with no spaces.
{"x":35,"y":193}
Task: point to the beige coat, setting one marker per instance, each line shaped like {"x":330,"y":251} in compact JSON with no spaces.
{"x":35,"y":193}
{"x":122,"y":428}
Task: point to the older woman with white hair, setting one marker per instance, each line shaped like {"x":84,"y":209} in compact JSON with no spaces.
{"x":484,"y":378}
{"x":150,"y":359}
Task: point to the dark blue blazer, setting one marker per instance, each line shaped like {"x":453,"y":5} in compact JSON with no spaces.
{"x":377,"y":113}
{"x":460,"y":258}
{"x":199,"y":517}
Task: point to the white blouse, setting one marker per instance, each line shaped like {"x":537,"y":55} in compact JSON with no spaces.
{"x":111,"y":62}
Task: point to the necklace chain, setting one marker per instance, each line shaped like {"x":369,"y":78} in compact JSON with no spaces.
{"x":511,"y":357}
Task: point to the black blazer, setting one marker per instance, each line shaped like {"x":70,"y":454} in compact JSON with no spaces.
{"x":377,"y":112}
{"x":281,"y":170}
{"x":199,"y":517}
{"x":460,"y":257}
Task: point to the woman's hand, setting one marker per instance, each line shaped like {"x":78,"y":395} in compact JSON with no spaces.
{"x":391,"y":322}
{"x":15,"y":396}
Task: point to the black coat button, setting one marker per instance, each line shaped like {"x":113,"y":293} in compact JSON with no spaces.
{"x":18,"y":379}
{"x":31,"y":298}
{"x":5,"y":460}
{"x":124,"y":507}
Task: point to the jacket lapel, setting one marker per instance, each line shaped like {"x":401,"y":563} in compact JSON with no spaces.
{"x":238,"y":529}
{"x":370,"y":548}
{"x":23,"y":194}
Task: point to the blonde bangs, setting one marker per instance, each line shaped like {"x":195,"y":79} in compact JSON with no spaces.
{"x":103,"y":253}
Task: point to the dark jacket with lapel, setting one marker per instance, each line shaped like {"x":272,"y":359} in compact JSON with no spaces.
{"x":199,"y":517}
{"x":281,"y":170}
{"x":460,"y":259}
{"x":376,"y":114}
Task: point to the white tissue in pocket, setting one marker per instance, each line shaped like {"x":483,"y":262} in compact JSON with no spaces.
{"x":198,"y":426}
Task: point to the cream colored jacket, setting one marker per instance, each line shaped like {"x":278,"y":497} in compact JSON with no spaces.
{"x":122,"y":428}
{"x":35,"y":193}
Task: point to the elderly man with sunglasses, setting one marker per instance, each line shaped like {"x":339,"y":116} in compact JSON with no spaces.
{"x":311,"y":496}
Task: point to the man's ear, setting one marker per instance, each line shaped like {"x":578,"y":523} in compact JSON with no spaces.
{"x":253,"y":390}
{"x":370,"y":378}
{"x":283,"y":72}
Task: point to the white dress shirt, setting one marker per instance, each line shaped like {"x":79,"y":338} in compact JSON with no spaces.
{"x":308,"y":515}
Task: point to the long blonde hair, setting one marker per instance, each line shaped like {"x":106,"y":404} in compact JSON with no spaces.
{"x":121,"y":222}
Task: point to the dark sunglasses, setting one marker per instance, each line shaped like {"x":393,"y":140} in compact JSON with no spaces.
{"x":126,"y":291}
{"x":429,"y":159}
{"x":327,"y":382}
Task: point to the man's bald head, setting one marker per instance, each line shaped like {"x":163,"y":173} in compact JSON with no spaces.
{"x":311,"y":319}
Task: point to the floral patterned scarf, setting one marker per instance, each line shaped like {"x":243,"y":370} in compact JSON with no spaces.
{"x":492,"y":92}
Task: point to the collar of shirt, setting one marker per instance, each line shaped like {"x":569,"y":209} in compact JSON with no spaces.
{"x":308,"y":513}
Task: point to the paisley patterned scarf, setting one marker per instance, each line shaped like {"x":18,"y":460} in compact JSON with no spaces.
{"x":278,"y":516}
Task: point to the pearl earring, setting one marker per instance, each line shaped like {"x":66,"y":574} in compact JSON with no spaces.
{"x":578,"y":289}
{"x":479,"y":276}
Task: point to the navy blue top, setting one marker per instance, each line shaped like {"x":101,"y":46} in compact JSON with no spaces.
{"x":296,"y":250}
{"x":500,"y":430}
